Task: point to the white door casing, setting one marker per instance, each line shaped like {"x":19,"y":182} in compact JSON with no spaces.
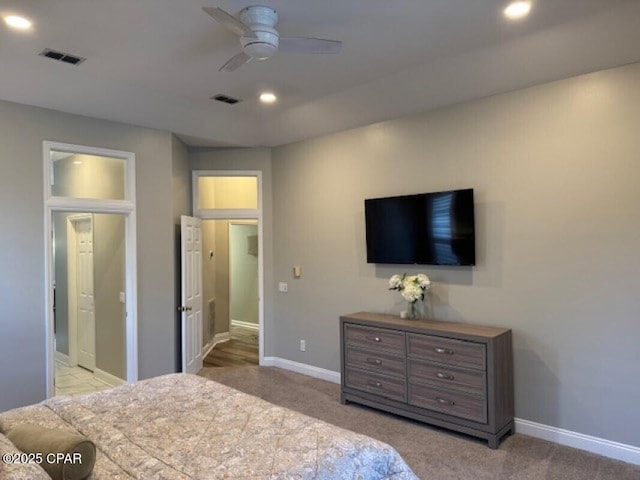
{"x":237,"y":214}
{"x":127,"y":208}
{"x":191,"y":286}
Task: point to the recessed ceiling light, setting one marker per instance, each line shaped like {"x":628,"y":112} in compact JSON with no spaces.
{"x":517,"y":10}
{"x":17,"y":22}
{"x":268,"y":97}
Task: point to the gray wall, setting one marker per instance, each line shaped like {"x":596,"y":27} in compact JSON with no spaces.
{"x":181,"y":178}
{"x":243,"y":275}
{"x":22,"y":325}
{"x":555,"y":171}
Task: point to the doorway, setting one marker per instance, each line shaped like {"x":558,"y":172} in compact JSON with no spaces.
{"x":90,"y":268}
{"x":90,"y":313}
{"x":230,"y":206}
{"x":231,"y":292}
{"x":243,"y":281}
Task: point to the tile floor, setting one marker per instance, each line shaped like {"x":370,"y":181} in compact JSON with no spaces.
{"x":74,"y":381}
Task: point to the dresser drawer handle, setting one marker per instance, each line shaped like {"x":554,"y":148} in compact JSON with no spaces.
{"x":445,"y":351}
{"x":375,"y":361}
{"x":375,"y":339}
{"x":443,"y":401}
{"x":444,"y":376}
{"x":374,"y":384}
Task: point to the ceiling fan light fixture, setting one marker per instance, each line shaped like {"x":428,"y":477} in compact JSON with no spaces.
{"x":517,"y":10}
{"x":263,"y":45}
{"x":255,"y":25}
{"x":260,"y":50}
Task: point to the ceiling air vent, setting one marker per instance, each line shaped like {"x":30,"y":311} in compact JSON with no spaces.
{"x":62,"y":57}
{"x":225,"y":99}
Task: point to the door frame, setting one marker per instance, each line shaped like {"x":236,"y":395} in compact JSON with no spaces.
{"x":238,"y":214}
{"x":126,"y":208}
{"x":72,"y":286}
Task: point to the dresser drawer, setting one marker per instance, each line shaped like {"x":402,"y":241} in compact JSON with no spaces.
{"x":447,"y":350}
{"x":375,"y":338}
{"x":384,"y":386}
{"x":445,"y":376}
{"x":448,"y":401}
{"x":378,"y":362}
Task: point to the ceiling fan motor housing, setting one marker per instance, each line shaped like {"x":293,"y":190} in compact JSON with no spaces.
{"x":261,"y":20}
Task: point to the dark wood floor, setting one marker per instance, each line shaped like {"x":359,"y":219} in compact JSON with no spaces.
{"x":234,"y":353}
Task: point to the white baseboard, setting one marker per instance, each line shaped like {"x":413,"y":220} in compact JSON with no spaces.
{"x":316,"y":372}
{"x":221,"y":337}
{"x":218,"y":338}
{"x":61,"y":357}
{"x":600,"y":446}
{"x":247,"y":325}
{"x":106,"y":377}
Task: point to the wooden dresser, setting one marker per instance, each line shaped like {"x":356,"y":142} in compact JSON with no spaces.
{"x":452,"y":375}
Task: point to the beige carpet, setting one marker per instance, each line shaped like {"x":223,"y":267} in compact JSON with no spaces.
{"x":432,"y":453}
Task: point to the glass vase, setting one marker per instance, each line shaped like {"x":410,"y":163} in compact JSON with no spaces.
{"x":415,"y":310}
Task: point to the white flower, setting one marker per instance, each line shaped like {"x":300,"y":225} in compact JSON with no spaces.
{"x":412,"y":292}
{"x":423,"y":281}
{"x":395,"y":282}
{"x":412,"y":287}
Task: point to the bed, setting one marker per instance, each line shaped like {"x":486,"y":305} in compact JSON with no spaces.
{"x":183,"y":426}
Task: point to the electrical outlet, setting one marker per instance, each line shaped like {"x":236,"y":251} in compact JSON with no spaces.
{"x":283,"y":287}
{"x":303,"y":346}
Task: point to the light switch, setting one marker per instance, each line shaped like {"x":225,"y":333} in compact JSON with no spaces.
{"x":283,"y":287}
{"x":122,"y":297}
{"x":297,"y":271}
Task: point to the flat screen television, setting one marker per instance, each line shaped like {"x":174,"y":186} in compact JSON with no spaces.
{"x":426,"y":229}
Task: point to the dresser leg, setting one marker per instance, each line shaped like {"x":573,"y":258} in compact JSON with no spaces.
{"x":493,"y":442}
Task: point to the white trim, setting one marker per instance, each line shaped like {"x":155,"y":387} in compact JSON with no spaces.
{"x":61,"y":358}
{"x":206,"y":350}
{"x":218,"y":338}
{"x":131,"y":296}
{"x":108,"y":378}
{"x":125,"y":207}
{"x":246,"y":325}
{"x":310,"y":370}
{"x":235,"y":214}
{"x":90,"y":205}
{"x":600,"y":446}
{"x":221,"y":337}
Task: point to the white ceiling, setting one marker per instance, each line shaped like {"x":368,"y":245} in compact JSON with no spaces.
{"x":155,"y":63}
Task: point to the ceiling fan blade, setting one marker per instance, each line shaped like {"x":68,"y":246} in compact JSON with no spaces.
{"x":308,"y":45}
{"x":229,"y":21}
{"x":235,"y":62}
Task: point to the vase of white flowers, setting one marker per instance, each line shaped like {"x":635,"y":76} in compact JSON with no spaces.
{"x":412,"y":288}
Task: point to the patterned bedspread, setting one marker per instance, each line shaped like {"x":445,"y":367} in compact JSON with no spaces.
{"x":187,"y":427}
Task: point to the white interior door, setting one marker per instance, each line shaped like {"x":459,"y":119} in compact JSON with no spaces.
{"x":191,"y":308}
{"x":86,"y":314}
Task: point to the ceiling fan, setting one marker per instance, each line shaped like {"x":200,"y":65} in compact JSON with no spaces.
{"x":260,"y":40}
